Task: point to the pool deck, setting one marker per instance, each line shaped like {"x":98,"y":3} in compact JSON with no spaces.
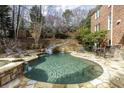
{"x":112,"y":77}
{"x":14,"y":63}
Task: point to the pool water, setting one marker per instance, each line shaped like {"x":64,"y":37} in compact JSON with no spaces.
{"x":63,"y":69}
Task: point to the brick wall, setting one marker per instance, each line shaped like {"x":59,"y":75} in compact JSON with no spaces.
{"x":103,"y":19}
{"x":118,"y":29}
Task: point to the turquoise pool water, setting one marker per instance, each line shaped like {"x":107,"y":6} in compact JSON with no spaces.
{"x":63,"y":69}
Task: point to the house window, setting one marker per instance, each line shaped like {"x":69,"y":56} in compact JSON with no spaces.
{"x":109,"y":21}
{"x":97,"y":27}
{"x":109,"y":6}
{"x":97,"y":14}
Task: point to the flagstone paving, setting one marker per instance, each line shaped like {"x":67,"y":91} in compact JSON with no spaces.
{"x":112,"y":77}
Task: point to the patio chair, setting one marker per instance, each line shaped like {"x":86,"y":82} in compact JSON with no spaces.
{"x":110,"y":52}
{"x":82,"y":49}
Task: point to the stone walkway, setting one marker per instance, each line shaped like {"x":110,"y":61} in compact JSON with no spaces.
{"x":112,"y":77}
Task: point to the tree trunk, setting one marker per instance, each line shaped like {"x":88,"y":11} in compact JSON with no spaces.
{"x":12,"y":34}
{"x":18,"y":21}
{"x":39,"y":28}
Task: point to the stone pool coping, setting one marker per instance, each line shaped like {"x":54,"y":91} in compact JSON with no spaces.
{"x":102,"y":81}
{"x":11,"y":59}
{"x":112,"y":67}
{"x":9,"y":66}
{"x":14,"y":63}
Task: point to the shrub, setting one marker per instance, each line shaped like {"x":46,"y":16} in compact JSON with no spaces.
{"x":82,"y":32}
{"x":87,"y":38}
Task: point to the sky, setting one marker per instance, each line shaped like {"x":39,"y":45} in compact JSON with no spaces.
{"x":64,"y":7}
{"x":76,"y":6}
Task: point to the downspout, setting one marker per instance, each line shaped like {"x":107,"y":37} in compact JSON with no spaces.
{"x":111,"y":25}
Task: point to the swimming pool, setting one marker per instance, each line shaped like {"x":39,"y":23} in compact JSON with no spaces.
{"x":62,"y":68}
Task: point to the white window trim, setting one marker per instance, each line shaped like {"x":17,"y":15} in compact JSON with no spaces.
{"x":95,"y":28}
{"x":109,"y":6}
{"x":109,"y":22}
{"x":97,"y":14}
{"x":109,"y":28}
{"x":99,"y":27}
{"x":112,"y":25}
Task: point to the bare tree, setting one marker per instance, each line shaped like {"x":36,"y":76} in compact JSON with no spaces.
{"x":18,"y":21}
{"x":16,"y":18}
{"x":37,"y":23}
{"x":13,"y":20}
{"x":78,"y":15}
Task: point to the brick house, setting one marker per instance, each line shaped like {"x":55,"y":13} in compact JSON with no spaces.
{"x":110,"y":18}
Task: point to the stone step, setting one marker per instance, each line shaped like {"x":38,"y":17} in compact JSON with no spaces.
{"x":118,"y":80}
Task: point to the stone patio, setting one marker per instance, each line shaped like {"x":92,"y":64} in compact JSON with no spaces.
{"x":112,"y":77}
